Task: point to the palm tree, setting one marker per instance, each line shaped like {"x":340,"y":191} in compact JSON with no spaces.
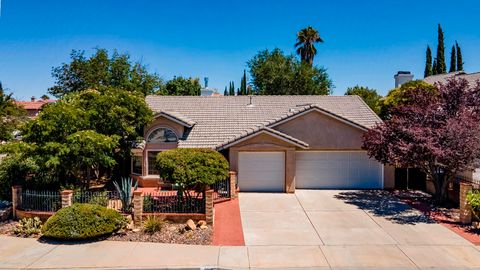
{"x":306,"y":39}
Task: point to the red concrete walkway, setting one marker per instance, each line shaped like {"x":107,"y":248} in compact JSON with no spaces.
{"x":228,"y":229}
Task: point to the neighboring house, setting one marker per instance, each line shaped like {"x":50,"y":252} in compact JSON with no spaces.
{"x":275,"y":143}
{"x":472,"y":78}
{"x":34,"y":106}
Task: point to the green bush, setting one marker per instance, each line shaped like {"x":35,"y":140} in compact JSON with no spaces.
{"x":473,"y":199}
{"x":153,"y":224}
{"x":192,"y":169}
{"x":83,"y":221}
{"x":28,"y":226}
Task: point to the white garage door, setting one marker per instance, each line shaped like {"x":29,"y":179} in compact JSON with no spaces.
{"x":342,"y":170}
{"x":261,"y":171}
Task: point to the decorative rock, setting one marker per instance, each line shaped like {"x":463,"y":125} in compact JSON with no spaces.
{"x":191,"y":225}
{"x":201,"y":223}
{"x":136,"y":230}
{"x":203,"y":227}
{"x":189,"y":234}
{"x":172,"y":228}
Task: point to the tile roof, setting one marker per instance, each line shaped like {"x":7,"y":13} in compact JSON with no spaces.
{"x":220,"y":120}
{"x":472,"y":78}
{"x":34,"y":105}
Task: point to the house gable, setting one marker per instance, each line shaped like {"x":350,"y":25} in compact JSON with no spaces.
{"x":323,"y":132}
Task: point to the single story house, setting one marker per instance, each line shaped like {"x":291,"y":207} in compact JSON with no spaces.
{"x":274,"y":143}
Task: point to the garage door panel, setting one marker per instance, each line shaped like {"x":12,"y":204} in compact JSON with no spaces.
{"x":342,"y":170}
{"x":261,"y":171}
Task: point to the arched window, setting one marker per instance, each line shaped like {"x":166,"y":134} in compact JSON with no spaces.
{"x":161,"y":135}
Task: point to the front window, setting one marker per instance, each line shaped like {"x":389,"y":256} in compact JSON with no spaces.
{"x":161,"y":135}
{"x":137,"y":165}
{"x":152,"y":160}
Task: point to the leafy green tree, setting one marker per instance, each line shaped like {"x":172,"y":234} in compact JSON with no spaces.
{"x":400,"y":95}
{"x":12,"y":116}
{"x":103,"y":71}
{"x":428,"y":63}
{"x":441,"y":66}
{"x":306,"y":39}
{"x":192,"y":169}
{"x":453,"y":60}
{"x":85,"y":134}
{"x":45,"y":97}
{"x":273,"y":73}
{"x":180,"y":86}
{"x":370,"y":96}
{"x":459,"y":57}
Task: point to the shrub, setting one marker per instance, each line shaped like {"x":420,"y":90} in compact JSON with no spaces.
{"x":28,"y":226}
{"x":473,"y":199}
{"x":153,"y":224}
{"x":83,"y":221}
{"x":192,"y":169}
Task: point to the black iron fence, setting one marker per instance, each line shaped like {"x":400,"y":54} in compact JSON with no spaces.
{"x":221,"y":190}
{"x":173,"y":202}
{"x":40,"y":200}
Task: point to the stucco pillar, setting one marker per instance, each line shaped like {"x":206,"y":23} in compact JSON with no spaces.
{"x":233,"y":184}
{"x":209,"y":206}
{"x":137,"y":208}
{"x":290,"y":170}
{"x":67,"y":196}
{"x":465,"y":210}
{"x":16,"y":199}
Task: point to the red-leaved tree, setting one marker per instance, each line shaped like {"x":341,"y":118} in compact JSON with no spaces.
{"x":439,"y":133}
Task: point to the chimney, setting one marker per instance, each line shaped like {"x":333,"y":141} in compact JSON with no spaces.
{"x":402,"y":77}
{"x":206,"y":82}
{"x":32,"y":99}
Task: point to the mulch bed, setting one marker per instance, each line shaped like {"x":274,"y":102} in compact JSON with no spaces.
{"x":171,"y":233}
{"x":6,"y":227}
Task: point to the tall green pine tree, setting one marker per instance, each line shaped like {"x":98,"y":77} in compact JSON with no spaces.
{"x":459,"y":58}
{"x":441,"y":66}
{"x":453,"y":60}
{"x":434,"y":67}
{"x":231,"y":89}
{"x":225,"y":92}
{"x":428,"y":63}
{"x":243,"y":84}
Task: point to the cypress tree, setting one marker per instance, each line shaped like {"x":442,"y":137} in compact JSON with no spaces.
{"x":243,"y":84}
{"x":232,"y":89}
{"x":428,"y":63}
{"x":453,"y":60}
{"x":459,"y":58}
{"x":441,"y":66}
{"x":225,"y":92}
{"x":434,"y":67}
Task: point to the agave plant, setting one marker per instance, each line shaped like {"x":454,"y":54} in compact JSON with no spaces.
{"x":125,"y":189}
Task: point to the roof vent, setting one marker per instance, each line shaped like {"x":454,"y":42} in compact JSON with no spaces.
{"x":250,"y":102}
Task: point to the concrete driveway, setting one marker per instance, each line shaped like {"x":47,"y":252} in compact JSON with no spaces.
{"x":349,"y":230}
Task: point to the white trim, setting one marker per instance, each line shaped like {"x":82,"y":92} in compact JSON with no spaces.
{"x":171,"y":118}
{"x":258,"y":133}
{"x":327,"y":113}
{"x":154,"y":128}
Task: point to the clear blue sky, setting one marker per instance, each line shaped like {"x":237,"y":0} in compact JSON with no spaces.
{"x":366,"y":42}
